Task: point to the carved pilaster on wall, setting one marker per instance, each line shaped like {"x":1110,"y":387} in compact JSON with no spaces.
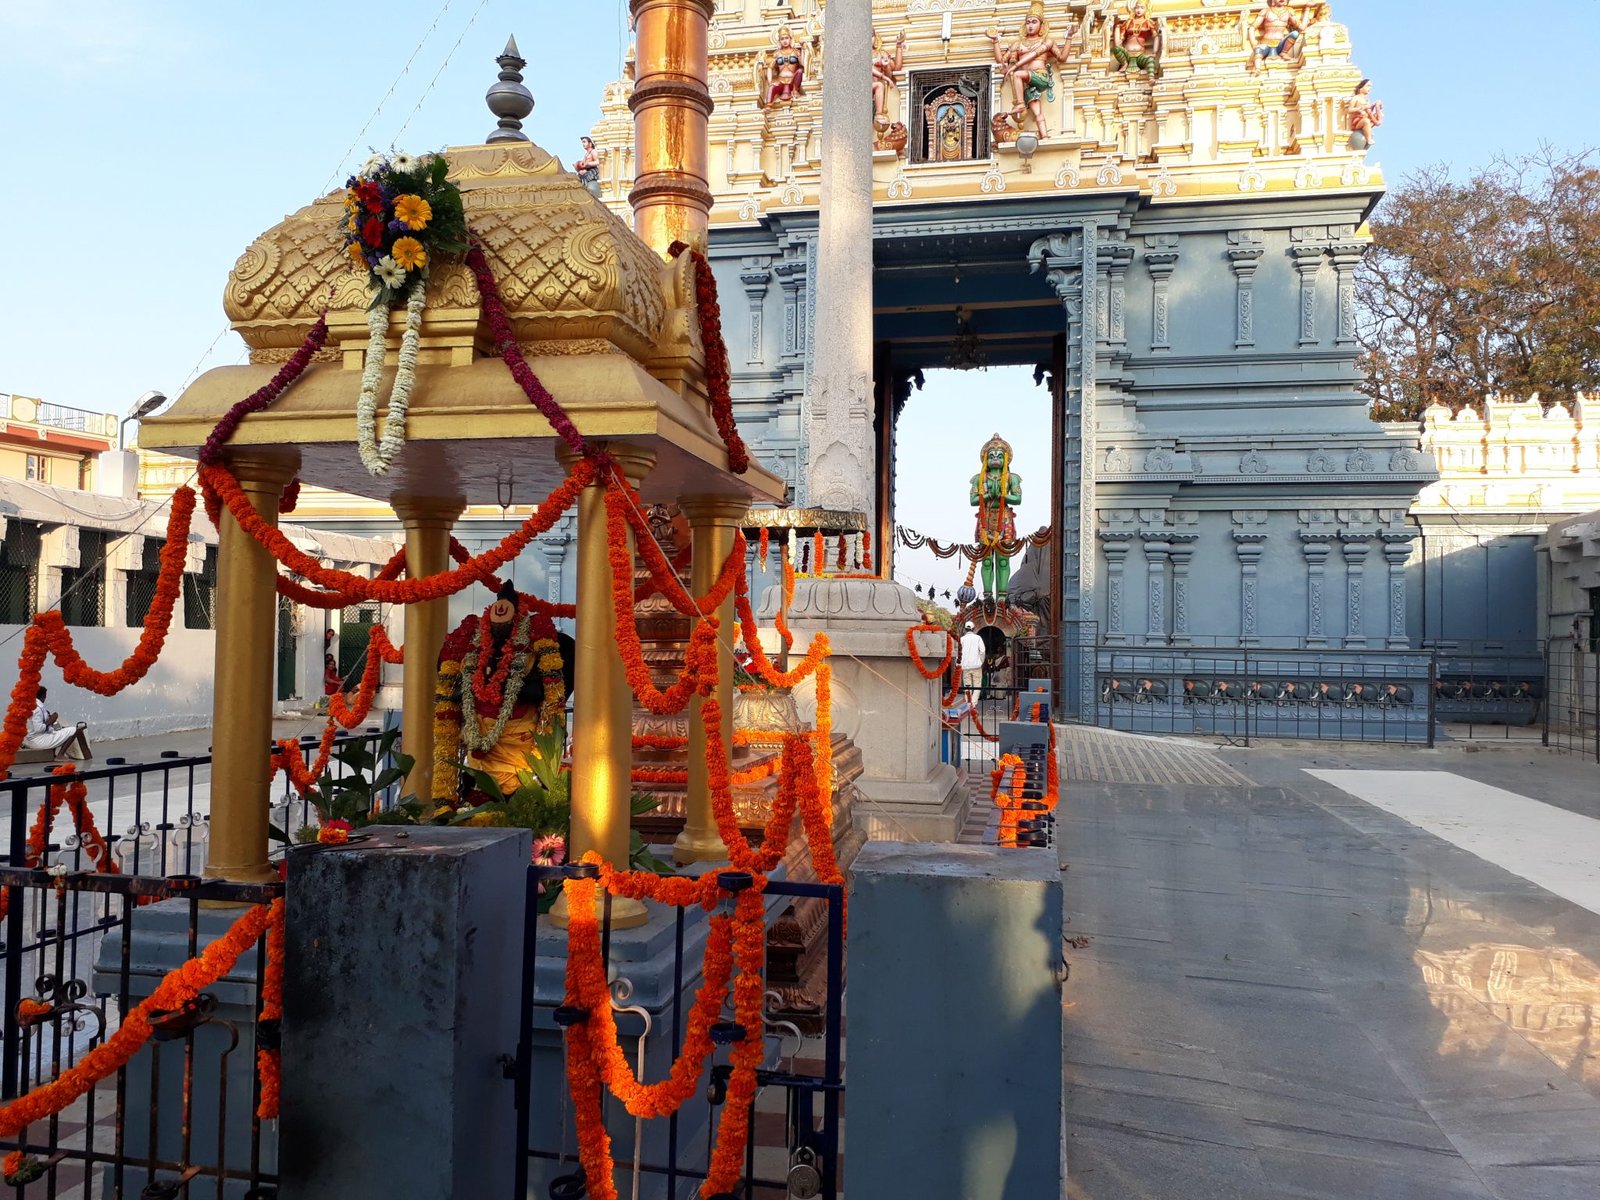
{"x":1157,"y":552}
{"x":554,"y":544}
{"x":1316,"y":545}
{"x":791,"y":273}
{"x":1160,"y":259}
{"x":1245,"y":248}
{"x":1308,"y":264}
{"x":1249,"y":537}
{"x":1396,"y":551}
{"x":1115,"y":259}
{"x":755,"y":274}
{"x":1345,"y":257}
{"x":1116,"y":543}
{"x":1356,"y":544}
{"x":1182,"y":554}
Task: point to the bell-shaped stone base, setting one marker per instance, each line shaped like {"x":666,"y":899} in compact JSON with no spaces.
{"x":880,"y":702}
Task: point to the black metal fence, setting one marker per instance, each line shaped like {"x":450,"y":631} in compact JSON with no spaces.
{"x":795,"y":1115}
{"x":1571,"y":707}
{"x":180,"y":1117}
{"x":1244,"y":693}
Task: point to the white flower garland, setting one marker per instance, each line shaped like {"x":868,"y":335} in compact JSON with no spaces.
{"x":378,"y":456}
{"x":521,"y":665}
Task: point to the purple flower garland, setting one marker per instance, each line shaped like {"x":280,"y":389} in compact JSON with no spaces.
{"x":506,"y":342}
{"x":263,"y":397}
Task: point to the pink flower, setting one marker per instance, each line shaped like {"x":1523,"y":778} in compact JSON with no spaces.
{"x":549,"y":850}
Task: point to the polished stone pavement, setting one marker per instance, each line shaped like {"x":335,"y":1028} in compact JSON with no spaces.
{"x":1288,"y":992}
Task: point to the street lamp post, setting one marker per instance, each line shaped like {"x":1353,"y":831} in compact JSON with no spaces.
{"x":142,"y":407}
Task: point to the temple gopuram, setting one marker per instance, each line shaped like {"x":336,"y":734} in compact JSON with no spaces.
{"x":1158,"y":206}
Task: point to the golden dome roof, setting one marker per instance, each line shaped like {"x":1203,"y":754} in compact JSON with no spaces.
{"x":574,"y":278}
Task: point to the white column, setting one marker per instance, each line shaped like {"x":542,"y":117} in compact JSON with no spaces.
{"x":841,"y":460}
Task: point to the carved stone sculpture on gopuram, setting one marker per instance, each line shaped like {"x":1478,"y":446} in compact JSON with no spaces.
{"x":1175,"y":97}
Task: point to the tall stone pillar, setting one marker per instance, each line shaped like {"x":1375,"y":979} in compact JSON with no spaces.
{"x":1115,"y":544}
{"x":427,"y":522}
{"x":1182,"y":553}
{"x":840,"y":458}
{"x":246,"y":657}
{"x":1356,"y":545}
{"x":1315,"y":546}
{"x":602,"y":703}
{"x":1396,"y":551}
{"x":713,"y":522}
{"x":1156,"y":551}
{"x":1248,"y":546}
{"x":879,"y":701}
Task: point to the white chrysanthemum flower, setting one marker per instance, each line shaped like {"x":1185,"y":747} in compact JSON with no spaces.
{"x":402,"y":162}
{"x":391,"y":272}
{"x":372,"y":166}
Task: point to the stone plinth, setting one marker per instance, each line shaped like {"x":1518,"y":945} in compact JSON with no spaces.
{"x":955,"y":1023}
{"x":880,"y":702}
{"x":402,"y":980}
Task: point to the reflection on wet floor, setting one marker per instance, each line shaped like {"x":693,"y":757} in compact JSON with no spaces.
{"x":1289,"y":992}
{"x":1547,"y":994}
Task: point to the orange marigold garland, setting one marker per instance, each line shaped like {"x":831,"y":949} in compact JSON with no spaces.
{"x":49,"y":635}
{"x":74,"y":794}
{"x":178,"y":987}
{"x":269,"y":1063}
{"x":866,"y":550}
{"x":916,"y":655}
{"x":733,"y":1129}
{"x":763,"y":545}
{"x":221,"y":486}
{"x":781,"y":622}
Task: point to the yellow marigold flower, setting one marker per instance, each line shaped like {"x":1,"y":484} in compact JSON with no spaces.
{"x":354,"y":250}
{"x":351,"y":204}
{"x":408,"y":253}
{"x":413,"y":210}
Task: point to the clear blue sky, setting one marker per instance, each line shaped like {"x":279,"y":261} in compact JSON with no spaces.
{"x":152,"y":140}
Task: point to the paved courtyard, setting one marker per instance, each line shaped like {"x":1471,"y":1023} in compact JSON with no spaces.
{"x":1331,"y":972}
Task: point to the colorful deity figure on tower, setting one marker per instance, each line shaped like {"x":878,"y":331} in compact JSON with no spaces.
{"x":786,"y":71}
{"x":1366,"y":114}
{"x":1275,"y":33}
{"x":886,"y":65}
{"x":1136,"y":42}
{"x":995,"y":492}
{"x":1029,"y":68}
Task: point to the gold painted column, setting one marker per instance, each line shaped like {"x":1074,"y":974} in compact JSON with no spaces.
{"x":713,"y":520}
{"x":427,"y":521}
{"x":671,"y":198}
{"x":246,"y":659}
{"x":602,"y":703}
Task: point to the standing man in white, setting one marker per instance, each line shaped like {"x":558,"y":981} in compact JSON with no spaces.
{"x":973,"y":652}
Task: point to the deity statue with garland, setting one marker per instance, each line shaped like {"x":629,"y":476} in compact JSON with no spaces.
{"x":504,"y":679}
{"x":1136,"y":42}
{"x":994,"y":493}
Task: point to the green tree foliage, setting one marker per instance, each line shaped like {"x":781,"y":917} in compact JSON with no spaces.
{"x":1487,"y":285}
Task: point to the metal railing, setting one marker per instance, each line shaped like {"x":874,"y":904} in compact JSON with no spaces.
{"x":179,"y":1118}
{"x":668,"y":1156}
{"x":1243,"y":693}
{"x":1571,"y":708}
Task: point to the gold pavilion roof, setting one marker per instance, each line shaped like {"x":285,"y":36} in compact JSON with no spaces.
{"x":607,"y":326}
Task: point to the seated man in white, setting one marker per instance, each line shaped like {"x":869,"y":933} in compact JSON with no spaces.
{"x":46,"y":733}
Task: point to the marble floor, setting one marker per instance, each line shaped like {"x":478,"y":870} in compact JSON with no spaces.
{"x":1380,"y":979}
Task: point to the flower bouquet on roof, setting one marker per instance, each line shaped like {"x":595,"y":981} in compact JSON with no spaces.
{"x":401,"y":213}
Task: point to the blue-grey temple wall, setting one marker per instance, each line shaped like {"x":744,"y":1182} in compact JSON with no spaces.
{"x":1228,"y":486}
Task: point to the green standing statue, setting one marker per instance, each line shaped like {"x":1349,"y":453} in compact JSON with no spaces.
{"x":995,"y":490}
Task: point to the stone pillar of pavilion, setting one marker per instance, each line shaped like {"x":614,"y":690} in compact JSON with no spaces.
{"x":880,"y":701}
{"x":246,"y":663}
